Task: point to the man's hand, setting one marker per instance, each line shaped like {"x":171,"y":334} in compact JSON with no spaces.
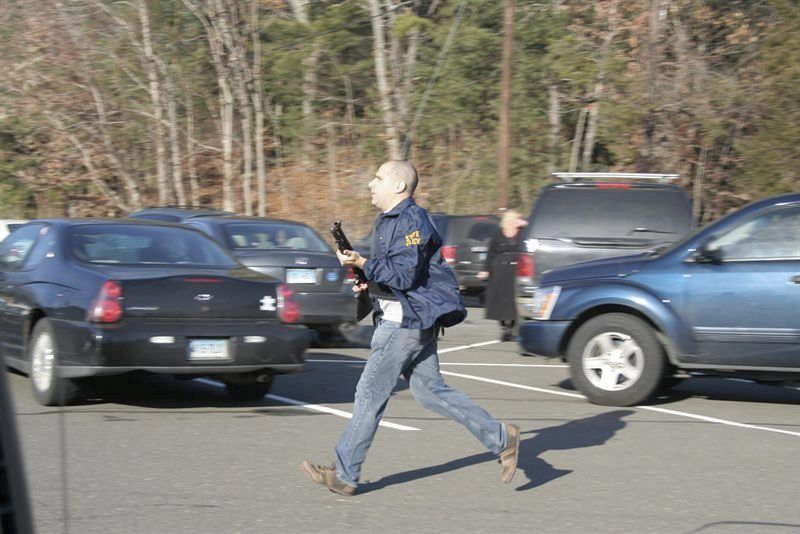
{"x":358,"y":288}
{"x":351,"y":258}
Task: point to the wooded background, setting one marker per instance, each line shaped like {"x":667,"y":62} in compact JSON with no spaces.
{"x":285,"y":108}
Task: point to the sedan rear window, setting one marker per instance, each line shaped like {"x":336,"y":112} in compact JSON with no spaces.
{"x":273,"y":235}
{"x":146,"y":245}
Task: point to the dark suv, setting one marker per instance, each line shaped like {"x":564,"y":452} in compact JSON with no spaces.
{"x":465,"y":242}
{"x":590,"y":216}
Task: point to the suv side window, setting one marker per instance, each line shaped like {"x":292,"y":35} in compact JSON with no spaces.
{"x":773,"y":235}
{"x":17,"y":246}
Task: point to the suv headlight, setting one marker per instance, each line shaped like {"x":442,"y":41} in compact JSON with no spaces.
{"x":544,"y":300}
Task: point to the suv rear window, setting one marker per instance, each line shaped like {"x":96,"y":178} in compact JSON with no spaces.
{"x":610,"y":212}
{"x":471,"y":229}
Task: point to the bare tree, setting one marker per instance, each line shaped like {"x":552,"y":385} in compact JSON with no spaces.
{"x":258,"y":108}
{"x":209,"y":15}
{"x":554,"y":119}
{"x":310,"y":82}
{"x":154,"y":86}
{"x":392,"y":136}
{"x":594,"y":105}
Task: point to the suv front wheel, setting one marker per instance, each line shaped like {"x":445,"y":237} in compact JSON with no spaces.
{"x":616,"y":360}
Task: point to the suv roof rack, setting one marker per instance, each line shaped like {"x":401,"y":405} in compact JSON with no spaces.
{"x":572,"y":176}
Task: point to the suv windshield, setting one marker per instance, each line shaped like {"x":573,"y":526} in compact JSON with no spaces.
{"x":637,"y":212}
{"x":146,"y":245}
{"x":273,"y":235}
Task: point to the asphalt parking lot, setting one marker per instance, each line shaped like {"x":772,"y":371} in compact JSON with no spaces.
{"x":159,"y":455}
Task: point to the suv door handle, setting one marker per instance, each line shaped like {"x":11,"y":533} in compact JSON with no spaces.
{"x":796,"y":279}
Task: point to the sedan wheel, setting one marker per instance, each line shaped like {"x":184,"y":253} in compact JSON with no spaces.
{"x":48,"y":388}
{"x":42,"y":357}
{"x":615,"y":359}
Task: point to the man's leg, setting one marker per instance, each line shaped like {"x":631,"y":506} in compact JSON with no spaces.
{"x":430,"y":390}
{"x":388,"y":359}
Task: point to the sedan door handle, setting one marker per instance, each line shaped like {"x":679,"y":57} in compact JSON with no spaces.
{"x":796,"y":279}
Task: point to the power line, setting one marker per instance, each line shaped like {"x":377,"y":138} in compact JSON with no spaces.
{"x":433,"y":78}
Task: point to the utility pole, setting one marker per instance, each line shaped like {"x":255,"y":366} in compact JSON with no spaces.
{"x":505,"y":107}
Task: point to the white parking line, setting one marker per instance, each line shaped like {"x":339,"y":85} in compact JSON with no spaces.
{"x":576,"y":395}
{"x":464,"y":347}
{"x":362,"y":362}
{"x":650,"y":408}
{"x":312,"y":407}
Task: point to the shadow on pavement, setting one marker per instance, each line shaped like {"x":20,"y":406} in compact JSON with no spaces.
{"x":317,"y":384}
{"x":577,"y":434}
{"x":717,"y":388}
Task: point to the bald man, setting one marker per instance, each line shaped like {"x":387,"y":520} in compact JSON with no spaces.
{"x":414,"y":294}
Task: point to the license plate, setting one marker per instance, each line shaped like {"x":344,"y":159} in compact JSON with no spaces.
{"x":301,"y":276}
{"x":208,"y":349}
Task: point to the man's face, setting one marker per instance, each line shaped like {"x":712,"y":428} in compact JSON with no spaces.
{"x":383,"y":189}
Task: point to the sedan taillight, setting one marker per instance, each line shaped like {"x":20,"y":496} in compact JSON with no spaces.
{"x":107,"y":307}
{"x":288,"y":311}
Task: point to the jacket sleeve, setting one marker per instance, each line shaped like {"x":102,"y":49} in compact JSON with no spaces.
{"x":409,"y":254}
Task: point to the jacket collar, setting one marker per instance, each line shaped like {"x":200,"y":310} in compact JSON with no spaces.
{"x":395,"y":211}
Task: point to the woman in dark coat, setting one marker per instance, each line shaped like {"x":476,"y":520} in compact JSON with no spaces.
{"x":501,"y":269}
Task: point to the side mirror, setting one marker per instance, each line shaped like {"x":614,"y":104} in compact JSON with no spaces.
{"x":708,"y":252}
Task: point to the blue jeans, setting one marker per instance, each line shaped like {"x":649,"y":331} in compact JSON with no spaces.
{"x":412,"y":353}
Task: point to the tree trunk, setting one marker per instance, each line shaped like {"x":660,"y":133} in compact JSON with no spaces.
{"x":576,"y":142}
{"x":310,"y":62}
{"x":379,"y":47}
{"x":505,"y":108}
{"x":594,"y":107}
{"x":258,"y":108}
{"x":334,"y":185}
{"x":164,"y":195}
{"x":194,"y":184}
{"x":172,"y":126}
{"x":211,"y":21}
{"x":554,"y":118}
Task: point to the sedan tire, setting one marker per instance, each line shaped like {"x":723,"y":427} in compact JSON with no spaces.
{"x":248,"y":386}
{"x":615,"y":359}
{"x":48,"y":387}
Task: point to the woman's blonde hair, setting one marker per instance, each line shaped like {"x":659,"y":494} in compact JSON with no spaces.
{"x":508,"y":217}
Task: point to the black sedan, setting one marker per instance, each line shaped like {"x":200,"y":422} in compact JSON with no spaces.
{"x":93,"y":297}
{"x":296,"y":255}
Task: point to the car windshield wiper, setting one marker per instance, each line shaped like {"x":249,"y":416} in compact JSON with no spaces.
{"x":649,"y":230}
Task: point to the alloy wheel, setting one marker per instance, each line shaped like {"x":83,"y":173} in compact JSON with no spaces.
{"x":612,"y":361}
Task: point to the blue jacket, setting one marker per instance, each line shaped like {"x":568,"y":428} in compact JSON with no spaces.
{"x":407,"y":265}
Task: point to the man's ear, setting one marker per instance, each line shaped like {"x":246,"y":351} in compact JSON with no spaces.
{"x":400,"y":186}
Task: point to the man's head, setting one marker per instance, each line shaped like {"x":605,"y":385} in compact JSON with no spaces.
{"x":394,"y":182}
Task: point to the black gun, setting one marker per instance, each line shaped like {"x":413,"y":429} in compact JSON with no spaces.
{"x":344,"y":244}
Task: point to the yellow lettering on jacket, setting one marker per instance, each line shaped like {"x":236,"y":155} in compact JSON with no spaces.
{"x":413,"y":238}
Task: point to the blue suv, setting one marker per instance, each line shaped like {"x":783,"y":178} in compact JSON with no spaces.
{"x":724,"y":300}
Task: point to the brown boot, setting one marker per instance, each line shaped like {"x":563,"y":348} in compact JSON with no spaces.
{"x":326,"y":476}
{"x":510,"y":455}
